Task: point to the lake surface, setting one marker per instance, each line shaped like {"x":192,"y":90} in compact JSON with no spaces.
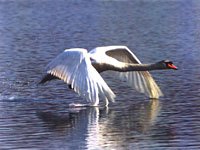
{"x":36,"y":116}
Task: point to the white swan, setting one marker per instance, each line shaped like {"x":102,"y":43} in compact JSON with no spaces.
{"x":80,"y":70}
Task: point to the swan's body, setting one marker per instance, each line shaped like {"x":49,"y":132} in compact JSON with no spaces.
{"x":80,"y":69}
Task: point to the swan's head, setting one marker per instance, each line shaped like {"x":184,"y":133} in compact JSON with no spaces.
{"x":167,"y":64}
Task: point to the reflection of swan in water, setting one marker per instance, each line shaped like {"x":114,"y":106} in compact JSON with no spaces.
{"x":130,"y":126}
{"x":103,"y":128}
{"x":74,"y":118}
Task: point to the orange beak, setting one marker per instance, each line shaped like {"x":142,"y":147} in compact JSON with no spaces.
{"x":172,"y":66}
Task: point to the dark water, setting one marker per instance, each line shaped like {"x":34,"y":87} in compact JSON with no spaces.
{"x":38,"y":117}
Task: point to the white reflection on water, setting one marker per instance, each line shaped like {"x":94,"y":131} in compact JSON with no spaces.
{"x":133,"y":124}
{"x":100,"y":128}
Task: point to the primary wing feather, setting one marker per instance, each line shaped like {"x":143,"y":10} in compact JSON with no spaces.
{"x":74,"y":67}
{"x":142,"y":81}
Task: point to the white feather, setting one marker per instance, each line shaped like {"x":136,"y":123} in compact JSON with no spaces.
{"x":142,"y":81}
{"x":74,"y":67}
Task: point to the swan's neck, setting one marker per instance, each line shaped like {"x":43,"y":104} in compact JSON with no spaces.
{"x":126,"y":67}
{"x":140,"y":67}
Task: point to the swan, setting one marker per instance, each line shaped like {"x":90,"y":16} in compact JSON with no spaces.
{"x":81,"y":70}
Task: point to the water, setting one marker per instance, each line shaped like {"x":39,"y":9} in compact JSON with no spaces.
{"x":33,"y":32}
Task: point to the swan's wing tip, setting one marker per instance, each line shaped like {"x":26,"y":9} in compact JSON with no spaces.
{"x":157,"y":95}
{"x":153,"y":90}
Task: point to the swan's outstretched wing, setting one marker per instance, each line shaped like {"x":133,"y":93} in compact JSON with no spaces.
{"x":142,"y":81}
{"x":74,"y":67}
